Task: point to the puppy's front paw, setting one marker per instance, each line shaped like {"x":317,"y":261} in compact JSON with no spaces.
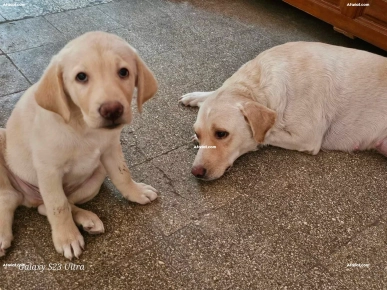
{"x":5,"y":242}
{"x":192,"y":99}
{"x":68,"y":241}
{"x":142,"y":193}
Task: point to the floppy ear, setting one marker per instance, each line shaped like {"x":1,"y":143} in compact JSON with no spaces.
{"x":260,"y":119}
{"x":146,"y":83}
{"x":50,"y":94}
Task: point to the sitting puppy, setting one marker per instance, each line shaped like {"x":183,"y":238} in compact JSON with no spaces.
{"x":299,"y":96}
{"x":63,"y":138}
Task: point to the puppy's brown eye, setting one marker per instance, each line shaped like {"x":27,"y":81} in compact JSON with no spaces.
{"x":81,"y":77}
{"x":221,"y":134}
{"x":123,"y":73}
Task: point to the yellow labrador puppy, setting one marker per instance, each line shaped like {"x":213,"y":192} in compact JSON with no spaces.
{"x":63,"y":138}
{"x":299,"y":96}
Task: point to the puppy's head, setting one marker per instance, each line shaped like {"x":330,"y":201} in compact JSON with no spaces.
{"x":95,"y":75}
{"x":228,"y":125}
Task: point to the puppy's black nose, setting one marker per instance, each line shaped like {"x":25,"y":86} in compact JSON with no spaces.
{"x":111,"y":110}
{"x":198,"y":171}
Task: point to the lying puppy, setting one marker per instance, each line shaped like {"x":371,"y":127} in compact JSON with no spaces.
{"x":299,"y":96}
{"x":63,"y":138}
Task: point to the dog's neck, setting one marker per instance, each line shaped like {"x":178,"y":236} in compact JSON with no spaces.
{"x":240,"y":88}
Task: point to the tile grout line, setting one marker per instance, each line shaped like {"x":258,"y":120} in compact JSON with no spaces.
{"x":358,"y":233}
{"x":161,"y":154}
{"x":98,"y":8}
{"x":51,"y":13}
{"x":8,"y":95}
{"x":53,"y":26}
{"x":319,"y":262}
{"x":30,"y":48}
{"x":18,"y":69}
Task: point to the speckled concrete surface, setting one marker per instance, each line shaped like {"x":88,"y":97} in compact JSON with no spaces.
{"x":278,"y":220}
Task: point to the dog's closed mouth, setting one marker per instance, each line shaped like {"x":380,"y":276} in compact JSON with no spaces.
{"x":112,"y":126}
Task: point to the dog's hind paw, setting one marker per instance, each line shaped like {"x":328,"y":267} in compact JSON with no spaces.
{"x":89,"y":221}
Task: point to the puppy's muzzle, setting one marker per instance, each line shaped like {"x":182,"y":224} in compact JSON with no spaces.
{"x":111,"y":111}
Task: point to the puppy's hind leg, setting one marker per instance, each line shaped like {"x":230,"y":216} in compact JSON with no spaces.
{"x":194,"y":99}
{"x":88,"y":220}
{"x":10,"y":199}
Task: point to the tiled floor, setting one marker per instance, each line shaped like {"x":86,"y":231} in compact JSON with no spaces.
{"x":278,"y":220}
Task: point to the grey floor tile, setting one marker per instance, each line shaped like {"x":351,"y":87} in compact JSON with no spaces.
{"x":76,"y":4}
{"x":317,"y":278}
{"x":11,"y":80}
{"x":2,"y":19}
{"x":236,"y":245}
{"x":76,"y":22}
{"x":28,"y":33}
{"x":361,"y":263}
{"x":257,"y":247}
{"x":171,"y":211}
{"x":24,"y":251}
{"x":247,"y":44}
{"x":7,"y":103}
{"x":203,"y":23}
{"x":168,"y":68}
{"x":132,"y":39}
{"x":180,"y":68}
{"x":324,"y":209}
{"x":14,"y":10}
{"x":32,"y":62}
{"x":132,"y":14}
{"x":146,"y":270}
{"x":202,"y":58}
{"x":210,"y":195}
{"x":167,"y":34}
{"x":163,"y":107}
{"x":199,"y":261}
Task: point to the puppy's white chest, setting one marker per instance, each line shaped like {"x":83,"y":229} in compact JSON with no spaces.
{"x":82,"y":162}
